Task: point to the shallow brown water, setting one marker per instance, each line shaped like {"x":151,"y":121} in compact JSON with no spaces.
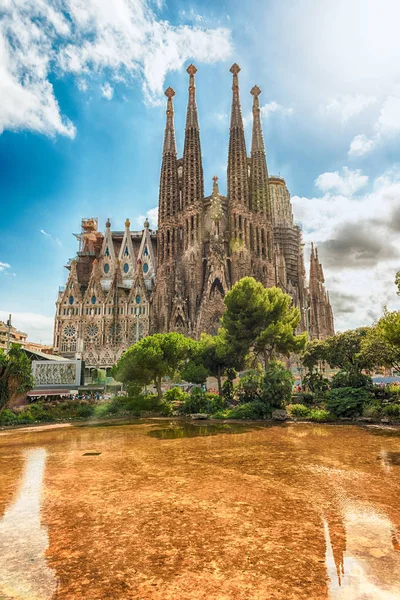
{"x":282,"y":512}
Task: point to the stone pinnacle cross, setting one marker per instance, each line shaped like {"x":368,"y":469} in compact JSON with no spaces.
{"x":255,"y":91}
{"x":170,"y":92}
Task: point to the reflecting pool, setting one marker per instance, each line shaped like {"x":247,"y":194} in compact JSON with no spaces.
{"x":163,"y":510}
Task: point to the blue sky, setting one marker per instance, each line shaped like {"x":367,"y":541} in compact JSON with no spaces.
{"x":82,"y":113}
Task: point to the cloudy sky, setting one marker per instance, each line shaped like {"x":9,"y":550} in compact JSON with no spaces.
{"x":82,"y":114}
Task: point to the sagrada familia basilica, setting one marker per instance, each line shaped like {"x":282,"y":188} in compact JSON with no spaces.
{"x":123,"y":285}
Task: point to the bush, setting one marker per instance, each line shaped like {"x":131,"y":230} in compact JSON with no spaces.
{"x":202,"y":402}
{"x":305,"y":398}
{"x":228,"y":390}
{"x":176,"y":394}
{"x":347,"y":401}
{"x":351,"y":379}
{"x":372,"y":410}
{"x":84,"y":411}
{"x":248,"y":410}
{"x":250,"y":387}
{"x":317,"y":383}
{"x":298,"y":410}
{"x":320,"y":416}
{"x":145,"y":403}
{"x":391,"y":410}
{"x":8,"y":417}
{"x":25,"y":417}
{"x":277,"y":385}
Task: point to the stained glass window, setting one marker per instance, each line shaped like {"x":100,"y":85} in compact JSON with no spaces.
{"x":106,"y":268}
{"x":145,"y":268}
{"x":126,"y":267}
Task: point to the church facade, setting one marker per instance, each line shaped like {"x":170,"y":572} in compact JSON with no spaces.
{"x":124,"y":285}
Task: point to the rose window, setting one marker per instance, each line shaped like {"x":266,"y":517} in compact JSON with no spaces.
{"x":69,"y":332}
{"x":92,"y":331}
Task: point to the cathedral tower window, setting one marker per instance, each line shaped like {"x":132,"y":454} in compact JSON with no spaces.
{"x":106,"y":268}
{"x":126,"y":268}
{"x":71,"y":300}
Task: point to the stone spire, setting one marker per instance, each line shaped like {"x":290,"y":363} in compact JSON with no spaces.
{"x":193,"y":183}
{"x":238,"y":184}
{"x":169,"y":172}
{"x":259,"y":192}
{"x":169,"y":136}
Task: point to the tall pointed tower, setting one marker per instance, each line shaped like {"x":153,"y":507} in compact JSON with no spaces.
{"x":167,"y":222}
{"x":264,"y":259}
{"x":321,"y":317}
{"x":240,"y":228}
{"x":259,"y":196}
{"x":193,"y":182}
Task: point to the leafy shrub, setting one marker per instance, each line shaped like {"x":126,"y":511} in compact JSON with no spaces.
{"x":202,"y":402}
{"x":347,"y":401}
{"x":84,"y":411}
{"x":145,"y":403}
{"x":391,"y":410}
{"x":320,"y":416}
{"x":8,"y":417}
{"x":176,"y":394}
{"x":250,"y":387}
{"x":248,"y":410}
{"x":277,"y":385}
{"x":305,"y":398}
{"x":316,"y":382}
{"x":25,"y":417}
{"x":228,"y":390}
{"x":298,"y":410}
{"x":372,"y":410}
{"x":351,"y":379}
{"x":134,"y":389}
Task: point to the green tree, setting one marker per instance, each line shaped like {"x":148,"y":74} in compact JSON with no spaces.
{"x":263,"y":319}
{"x":219,"y":356}
{"x":314,"y":355}
{"x":153,"y":358}
{"x":15,"y":375}
{"x":381,"y":346}
{"x":343,"y":351}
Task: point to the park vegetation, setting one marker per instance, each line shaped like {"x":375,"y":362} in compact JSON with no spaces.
{"x":258,"y":332}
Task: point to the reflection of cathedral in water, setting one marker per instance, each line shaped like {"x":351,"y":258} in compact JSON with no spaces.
{"x":362,"y":553}
{"x":24,"y":572}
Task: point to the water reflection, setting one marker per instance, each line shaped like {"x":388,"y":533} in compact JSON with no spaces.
{"x":364,"y":562}
{"x":188,"y":430}
{"x":24,"y":573}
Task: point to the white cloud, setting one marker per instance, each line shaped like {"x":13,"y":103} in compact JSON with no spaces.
{"x":124,"y":37}
{"x":107,"y":91}
{"x":386,"y":126}
{"x":4,"y":266}
{"x":348,"y":183}
{"x":151,"y":215}
{"x":358,"y":240}
{"x":48,"y":235}
{"x":82,"y":85}
{"x":347,"y":106}
{"x":273,"y":107}
{"x":361,"y":145}
{"x":38,"y":327}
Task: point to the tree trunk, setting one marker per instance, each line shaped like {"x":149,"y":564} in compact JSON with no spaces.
{"x":158,"y":386}
{"x":219,"y":381}
{"x":265,"y":359}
